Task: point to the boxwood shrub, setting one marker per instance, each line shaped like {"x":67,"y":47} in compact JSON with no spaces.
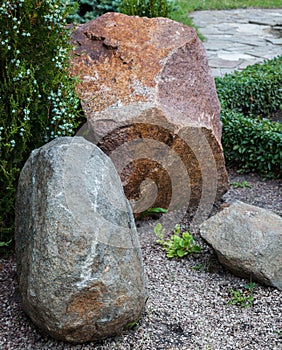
{"x":252,"y":144}
{"x":257,"y":90}
{"x":248,"y":99}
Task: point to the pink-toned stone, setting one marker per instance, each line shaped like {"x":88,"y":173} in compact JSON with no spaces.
{"x":151,"y":102}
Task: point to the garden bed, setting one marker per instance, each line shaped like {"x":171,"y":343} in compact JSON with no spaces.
{"x":188,"y":305}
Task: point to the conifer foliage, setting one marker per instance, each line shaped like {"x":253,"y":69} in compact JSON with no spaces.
{"x":37,"y":96}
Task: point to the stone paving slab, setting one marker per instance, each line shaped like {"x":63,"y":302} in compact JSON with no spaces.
{"x":241,"y":37}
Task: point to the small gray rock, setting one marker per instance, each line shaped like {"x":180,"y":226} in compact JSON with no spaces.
{"x":78,"y":255}
{"x":247,"y":241}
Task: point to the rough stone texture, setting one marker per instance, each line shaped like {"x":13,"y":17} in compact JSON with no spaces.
{"x":248,"y":241}
{"x":151,"y":104}
{"x":78,"y":255}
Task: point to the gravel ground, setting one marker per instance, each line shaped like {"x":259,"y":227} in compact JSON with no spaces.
{"x":188,"y":299}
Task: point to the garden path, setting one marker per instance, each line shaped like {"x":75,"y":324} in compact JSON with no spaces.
{"x":241,"y":37}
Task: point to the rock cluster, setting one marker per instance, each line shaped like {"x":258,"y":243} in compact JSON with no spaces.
{"x":152,"y":106}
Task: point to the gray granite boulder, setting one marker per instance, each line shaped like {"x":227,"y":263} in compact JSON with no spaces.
{"x":247,"y":241}
{"x":78,"y":255}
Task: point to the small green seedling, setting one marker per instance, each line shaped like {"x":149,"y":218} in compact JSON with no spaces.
{"x":244,"y":298}
{"x":198,"y":267}
{"x":159,"y":232}
{"x":179,"y":244}
{"x":133,"y":324}
{"x":243,"y":184}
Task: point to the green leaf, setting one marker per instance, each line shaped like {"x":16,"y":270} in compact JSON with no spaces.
{"x":153,"y":211}
{"x":181,"y":253}
{"x":5,"y":244}
{"x":177,"y":229}
{"x":159,"y":231}
{"x":186,"y":235}
{"x":157,"y":210}
{"x":196,"y":249}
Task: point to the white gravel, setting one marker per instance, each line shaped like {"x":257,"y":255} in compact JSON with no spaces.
{"x":187,"y":308}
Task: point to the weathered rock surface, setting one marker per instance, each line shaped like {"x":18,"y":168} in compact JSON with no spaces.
{"x":78,"y":256}
{"x":151,"y":104}
{"x":248,"y":241}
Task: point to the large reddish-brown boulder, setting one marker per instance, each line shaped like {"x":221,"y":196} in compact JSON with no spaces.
{"x":151,"y":104}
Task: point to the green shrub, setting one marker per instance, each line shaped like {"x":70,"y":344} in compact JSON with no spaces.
{"x":248,"y":100}
{"x":90,"y":9}
{"x":257,"y":90}
{"x":147,"y":8}
{"x":253,"y":144}
{"x":37,"y":98}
